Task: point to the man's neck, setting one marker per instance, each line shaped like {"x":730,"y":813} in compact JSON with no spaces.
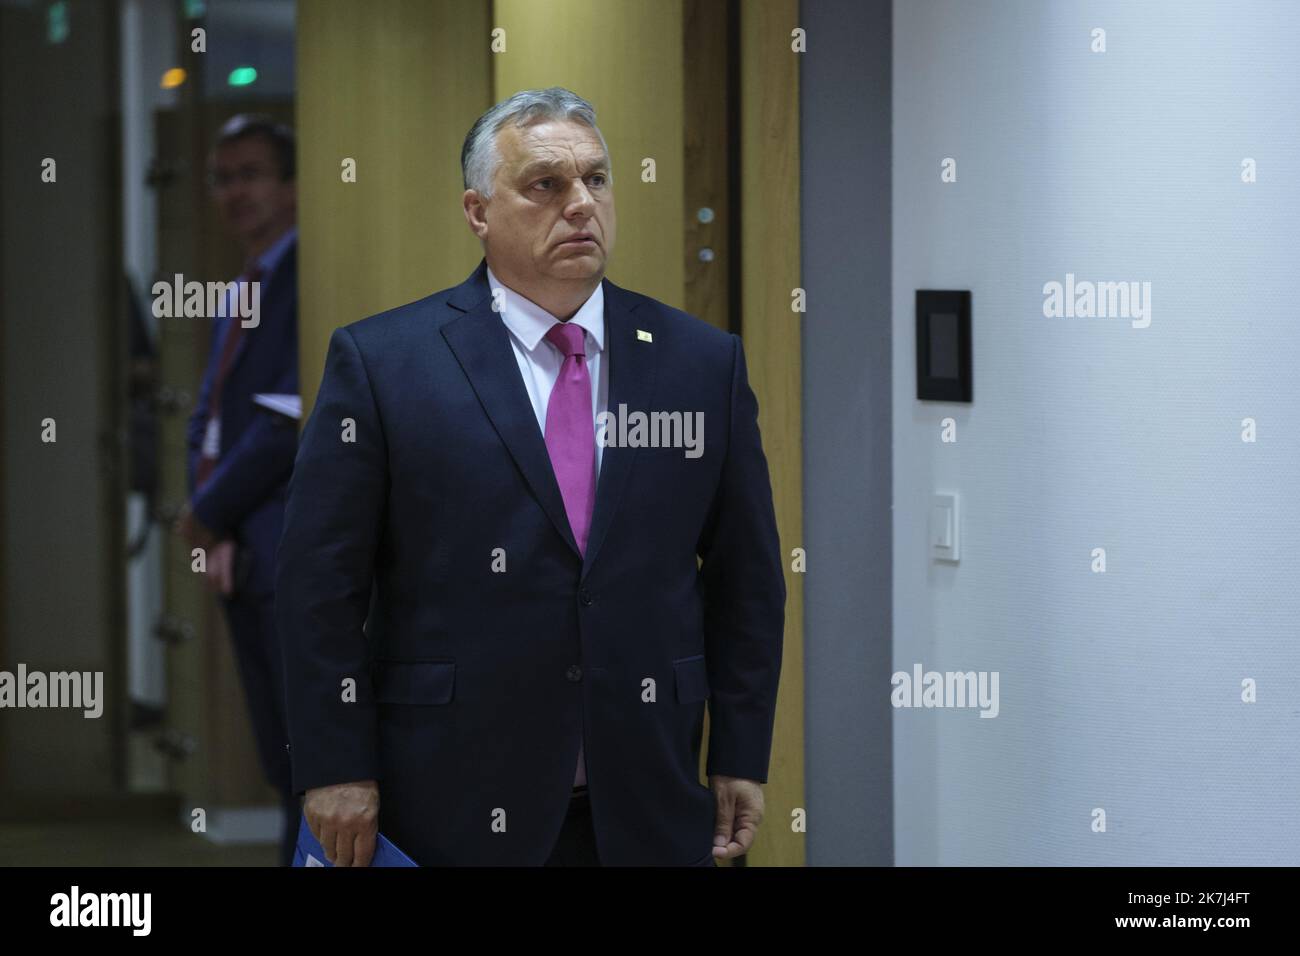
{"x":561,"y":298}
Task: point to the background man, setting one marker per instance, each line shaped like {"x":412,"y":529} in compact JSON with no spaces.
{"x":240,"y":456}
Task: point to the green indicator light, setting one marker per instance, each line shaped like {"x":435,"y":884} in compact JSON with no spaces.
{"x":56,"y":22}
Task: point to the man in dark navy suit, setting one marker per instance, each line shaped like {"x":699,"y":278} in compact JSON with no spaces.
{"x":240,"y":454}
{"x":502,"y":609}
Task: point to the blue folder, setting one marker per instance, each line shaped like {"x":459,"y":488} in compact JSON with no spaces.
{"x":309,"y":852}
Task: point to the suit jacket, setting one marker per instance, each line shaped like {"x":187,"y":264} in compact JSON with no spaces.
{"x":244,"y":497}
{"x":420,"y":471}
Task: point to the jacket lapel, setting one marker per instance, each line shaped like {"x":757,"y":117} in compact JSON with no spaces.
{"x":481,"y":343}
{"x":631,"y":383}
{"x":284,"y":268}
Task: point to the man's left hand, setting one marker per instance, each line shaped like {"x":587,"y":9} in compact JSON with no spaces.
{"x":740,"y":811}
{"x":221,"y":567}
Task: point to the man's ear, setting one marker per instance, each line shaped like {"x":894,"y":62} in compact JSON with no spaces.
{"x":475,"y":213}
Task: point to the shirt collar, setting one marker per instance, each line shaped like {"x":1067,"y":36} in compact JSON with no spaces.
{"x":271,"y":258}
{"x":530,"y":322}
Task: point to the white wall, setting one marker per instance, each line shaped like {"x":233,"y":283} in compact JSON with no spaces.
{"x":1119,"y":690}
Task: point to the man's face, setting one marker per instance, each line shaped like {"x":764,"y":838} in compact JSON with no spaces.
{"x":253,"y":200}
{"x":553,"y":183}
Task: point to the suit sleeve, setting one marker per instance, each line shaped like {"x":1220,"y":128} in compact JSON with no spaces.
{"x":324,"y":570}
{"x":743,"y":584}
{"x":252,"y":468}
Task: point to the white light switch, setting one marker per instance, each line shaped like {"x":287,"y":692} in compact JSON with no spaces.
{"x":944,"y":528}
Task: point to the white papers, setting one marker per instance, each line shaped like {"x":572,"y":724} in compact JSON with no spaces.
{"x":289,"y":406}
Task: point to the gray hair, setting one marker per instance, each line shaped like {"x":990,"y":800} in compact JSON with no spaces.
{"x":479,"y":157}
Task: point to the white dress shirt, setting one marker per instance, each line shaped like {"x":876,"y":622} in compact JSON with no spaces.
{"x":540,"y":361}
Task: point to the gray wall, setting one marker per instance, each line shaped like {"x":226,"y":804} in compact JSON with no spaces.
{"x":1121,"y":690}
{"x":58,"y":290}
{"x":844,"y":105}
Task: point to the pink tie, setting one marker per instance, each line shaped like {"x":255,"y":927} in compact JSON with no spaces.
{"x":571,"y":442}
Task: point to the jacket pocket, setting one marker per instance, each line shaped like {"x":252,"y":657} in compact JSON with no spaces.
{"x":692,"y":679}
{"x":414,"y":682}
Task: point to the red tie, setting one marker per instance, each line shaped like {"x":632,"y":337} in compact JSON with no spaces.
{"x":234,"y":332}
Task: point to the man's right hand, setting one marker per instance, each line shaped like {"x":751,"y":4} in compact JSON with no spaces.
{"x":344,"y":817}
{"x":220,"y":575}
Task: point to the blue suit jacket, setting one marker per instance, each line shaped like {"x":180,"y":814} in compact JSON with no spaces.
{"x":244,"y":497}
{"x":473,"y":683}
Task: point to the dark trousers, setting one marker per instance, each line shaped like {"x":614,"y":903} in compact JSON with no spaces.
{"x":251,"y":618}
{"x":577,"y":843}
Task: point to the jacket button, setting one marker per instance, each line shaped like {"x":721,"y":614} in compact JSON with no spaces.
{"x":584,"y":596}
{"x":574,"y":673}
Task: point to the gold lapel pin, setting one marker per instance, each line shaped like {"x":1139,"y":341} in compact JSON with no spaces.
{"x":643,"y":336}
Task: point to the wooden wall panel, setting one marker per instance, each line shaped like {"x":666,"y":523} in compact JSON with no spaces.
{"x":395,"y":85}
{"x":769,"y":130}
{"x":625,"y":58}
{"x":712,"y":172}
